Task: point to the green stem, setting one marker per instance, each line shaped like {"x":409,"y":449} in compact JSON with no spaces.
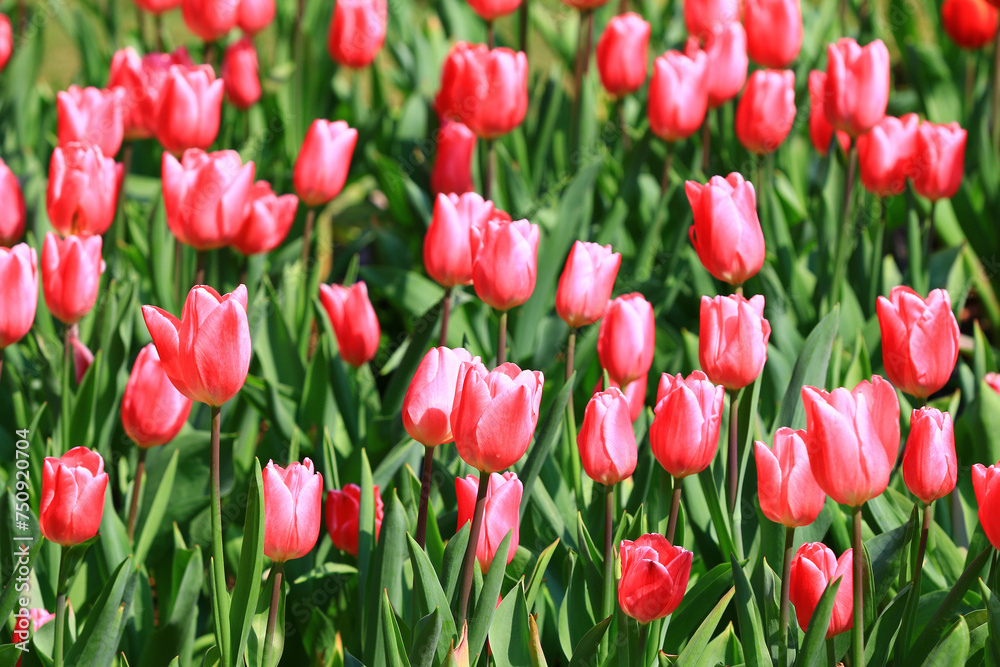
{"x":609,"y":598}
{"x":706,"y":145}
{"x":786,"y":572}
{"x":878,"y":250}
{"x":158,"y":30}
{"x":928,"y":233}
{"x":491,"y":37}
{"x":272,"y":614}
{"x":199,"y":272}
{"x":675,"y":505}
{"x":858,"y":631}
{"x":502,"y":339}
{"x":573,"y":455}
{"x":522,"y":19}
{"x":136,"y":487}
{"x":831,"y":653}
{"x":843,"y":239}
{"x":734,"y":461}
{"x":445,"y":316}
{"x":218,"y":556}
{"x":667,"y":165}
{"x":425,"y":494}
{"x":307,"y":239}
{"x":468,"y":564}
{"x":922,"y":546}
{"x":489,"y":168}
{"x":57,"y":649}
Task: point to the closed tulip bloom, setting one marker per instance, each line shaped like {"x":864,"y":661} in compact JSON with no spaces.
{"x":72,"y":501}
{"x":357,"y":31}
{"x":495,"y":414}
{"x":269,"y":217}
{"x":625,"y":341}
{"x":787,"y":490}
{"x":430,"y":398}
{"x":210,"y":20}
{"x":18,"y":292}
{"x":71,"y":273}
{"x":606,"y":440}
{"x":678,"y":95}
{"x":993,"y":380}
{"x":13,"y":213}
{"x":726,"y":66}
{"x":701,"y":16}
{"x":491,"y":10}
{"x":820,"y":130}
{"x":505,"y":267}
{"x":972,"y":24}
{"x":655,"y":575}
{"x":293,"y":502}
{"x":6,"y":41}
{"x":82,"y":194}
{"x":501,"y":516}
{"x":448,"y":256}
{"x":586,"y":283}
{"x":939,"y":162}
{"x":91,"y":116}
{"x":143,"y":79}
{"x":766,"y":111}
{"x":857,"y":85}
{"x":342,"y":513}
{"x":930,"y":465}
{"x":205,"y":196}
{"x":354,"y":321}
{"x":684,"y":435}
{"x":732,"y":341}
{"x":255,"y":15}
{"x":852,"y":438}
{"x":206,"y":353}
{"x":919,"y":340}
{"x":774,"y":31}
{"x":82,"y":358}
{"x":190,"y":106}
{"x":323,"y":161}
{"x":485,"y":89}
{"x":240,"y":73}
{"x":813,"y":568}
{"x":153,"y":411}
{"x":885,"y":154}
{"x":986,"y":482}
{"x":635,"y":392}
{"x":452,"y":172}
{"x":726,"y":232}
{"x":621,"y":54}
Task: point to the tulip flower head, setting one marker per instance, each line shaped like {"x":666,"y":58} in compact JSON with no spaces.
{"x":82,"y":356}
{"x":6,"y":41}
{"x":354,"y":321}
{"x":684,"y":435}
{"x":813,"y":568}
{"x":153,"y":410}
{"x":143,"y":79}
{"x":486,"y":89}
{"x":820,"y":130}
{"x":726,"y":67}
{"x":654,"y":577}
{"x":972,"y":24}
{"x":430,"y":398}
{"x":189,"y":105}
{"x":293,"y":502}
{"x":726,"y":232}
{"x":501,"y":515}
{"x":490,"y":10}
{"x":939,"y":161}
{"x":678,"y":95}
{"x":766,"y":111}
{"x":92,"y":116}
{"x":702,"y":16}
{"x":621,"y":54}
{"x":342,"y":513}
{"x":210,"y":20}
{"x":255,"y":15}
{"x":930,"y":465}
{"x":13,"y":214}
{"x":323,"y":161}
{"x":586,"y":283}
{"x":732,"y":341}
{"x":452,"y":172}
{"x":774,"y":31}
{"x":857,"y":85}
{"x":788,"y":492}
{"x":240,"y":73}
{"x":18,"y":292}
{"x":82,"y":193}
{"x":448,"y":252}
{"x":606,"y":440}
{"x":72,"y":501}
{"x":506,"y":263}
{"x":268,"y":219}
{"x":357,"y":31}
{"x":886,"y":153}
{"x":71,"y":274}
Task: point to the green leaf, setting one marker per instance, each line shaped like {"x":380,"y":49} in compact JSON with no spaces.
{"x":545,"y":438}
{"x":699,"y":640}
{"x":748,"y":613}
{"x":451,"y":567}
{"x":813,"y":651}
{"x":366,"y":528}
{"x":538,"y":574}
{"x":324,"y":570}
{"x":98,"y":641}
{"x":256,"y":641}
{"x":952,"y":649}
{"x":248,"y":574}
{"x":482,"y":616}
{"x":395,"y":651}
{"x":386,"y":568}
{"x":428,"y":595}
{"x":72,"y":558}
{"x":509,"y":638}
{"x":880,"y":640}
{"x":156,"y":512}
{"x":586,"y":648}
{"x":710,"y":588}
{"x":426,"y":636}
{"x":810,"y":370}
{"x":176,"y":633}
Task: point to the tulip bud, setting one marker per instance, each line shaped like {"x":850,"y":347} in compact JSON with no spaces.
{"x":490,"y":10}
{"x":240,"y":73}
{"x":972,"y":24}
{"x":986,"y":483}
{"x":655,"y":575}
{"x":774,"y":31}
{"x":495,"y":414}
{"x":448,"y":255}
{"x":323,"y":161}
{"x":82,"y":357}
{"x":293,"y":502}
{"x":72,"y":501}
{"x":143,"y":80}
{"x":993,"y":380}
{"x":684,"y":435}
{"x":18,"y":292}
{"x":726,"y":232}
{"x":13,"y":213}
{"x":678,"y":95}
{"x":190,"y":105}
{"x":621,"y":54}
{"x":357,"y":31}
{"x":255,"y":15}
{"x":857,"y":85}
{"x":766,"y":111}
{"x":813,"y":568}
{"x":153,"y":411}
{"x":71,"y":274}
{"x":269,"y":217}
{"x":930,"y":465}
{"x":787,"y":490}
{"x":485,"y":89}
{"x":939,"y":162}
{"x":91,"y":116}
{"x":726,"y":61}
{"x":606,"y":441}
{"x":852,"y":438}
{"x":503,"y":503}
{"x":625,"y":341}
{"x":342,"y":514}
{"x":157,"y":6}
{"x":210,"y":20}
{"x":206,"y":353}
{"x":586,"y":283}
{"x":885,"y":154}
{"x":732,"y":342}
{"x":635,"y":392}
{"x":452,"y":172}
{"x":820,"y":130}
{"x":82,"y":194}
{"x":430,"y":398}
{"x":702,"y":16}
{"x":354,"y":321}
{"x":505,"y":266}
{"x":6,"y":41}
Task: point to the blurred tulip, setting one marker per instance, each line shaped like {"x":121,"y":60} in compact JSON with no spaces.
{"x":448,"y":256}
{"x":993,"y":380}
{"x":606,"y":440}
{"x":504,"y":268}
{"x":701,"y":16}
{"x":621,"y":54}
{"x":269,"y":217}
{"x":885,"y":154}
{"x":635,"y":392}
{"x":930,"y":465}
{"x":586,"y":283}
{"x":654,"y":577}
{"x":82,"y":194}
{"x":726,"y":232}
{"x":6,"y":41}
{"x":354,"y":321}
{"x":452,"y":172}
{"x":82,"y":357}
{"x":732,"y":341}
{"x":852,"y":438}
{"x":678,"y":95}
{"x":939,"y":162}
{"x":684,"y":435}
{"x":813,"y":568}
{"x":820,"y":130}
{"x":857,"y":85}
{"x":13,"y":213}
{"x":430,"y":398}
{"x":342,"y":510}
{"x":241,"y":73}
{"x":91,"y":116}
{"x":205,"y":196}
{"x":190,"y":105}
{"x":485,"y":89}
{"x":293,"y":502}
{"x":255,"y":15}
{"x":774,"y":31}
{"x":18,"y":292}
{"x":210,"y":20}
{"x":585,"y":5}
{"x":157,"y":6}
{"x":71,"y":273}
{"x":972,"y":24}
{"x":787,"y":490}
{"x":625,"y":341}
{"x":323,"y":161}
{"x":143,"y":79}
{"x":490,"y":10}
{"x":986,"y":483}
{"x":357,"y":31}
{"x":726,"y":61}
{"x":153,"y":411}
{"x":501,"y":516}
{"x":72,"y":501}
{"x":495,"y":414}
{"x":766,"y":111}
{"x":206,"y":353}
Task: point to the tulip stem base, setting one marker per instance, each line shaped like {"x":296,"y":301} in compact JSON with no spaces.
{"x":199,"y":271}
{"x":491,"y":34}
{"x":445,"y":316}
{"x":706,"y":145}
{"x":468,"y":564}
{"x":488,"y":168}
{"x":136,"y":489}
{"x":522,"y":20}
{"x":572,"y":456}
{"x":858,"y":631}
{"x":831,"y":653}
{"x":425,"y":494}
{"x":307,"y":238}
{"x":272,"y":613}
{"x":922,"y":546}
{"x":502,"y":340}
{"x":60,"y":619}
{"x":609,"y":559}
{"x":786,"y":571}
{"x":675,"y":506}
{"x":218,"y":556}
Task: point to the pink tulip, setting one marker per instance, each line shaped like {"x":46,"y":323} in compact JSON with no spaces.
{"x":505,"y":266}
{"x":857,"y":85}
{"x":190,"y":105}
{"x":490,"y":10}
{"x":678,"y":95}
{"x":727,"y":61}
{"x":485,"y":89}
{"x":820,"y":130}
{"x":774,"y":31}
{"x":6,"y":41}
{"x":813,"y":569}
{"x":501,"y":516}
{"x":701,"y":16}
{"x":240,"y":73}
{"x":255,"y":15}
{"x":885,"y":154}
{"x":92,"y":116}
{"x":18,"y":292}
{"x":993,"y":380}
{"x":143,"y":79}
{"x":268,"y":219}
{"x":323,"y":161}
{"x":82,"y":194}
{"x":606,"y":440}
{"x":448,"y":256}
{"x":726,"y":232}
{"x":72,"y":501}
{"x":452,"y":172}
{"x":732,"y":342}
{"x":354,"y":321}
{"x":71,"y":274}
{"x":357,"y":31}
{"x":586,"y":283}
{"x":635,"y":392}
{"x":788,"y":492}
{"x":342,"y":510}
{"x":654,"y":578}
{"x":684,"y":435}
{"x":766,"y":111}
{"x":210,"y":20}
{"x":939,"y":161}
{"x":930,"y":465}
{"x":293,"y":503}
{"x":13,"y":214}
{"x":430,"y":398}
{"x":621,"y":54}
{"x":625,"y":341}
{"x":153,"y":411}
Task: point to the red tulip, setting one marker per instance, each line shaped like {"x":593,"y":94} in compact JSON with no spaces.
{"x":491,"y":10}
{"x":485,"y":89}
{"x":787,"y":490}
{"x":72,"y":501}
{"x":939,"y":162}
{"x":354,"y":321}
{"x":701,"y":16}
{"x":6,"y":41}
{"x":430,"y":398}
{"x":342,"y":510}
{"x":153,"y":411}
{"x":18,"y":292}
{"x":240,"y":73}
{"x":190,"y":105}
{"x":626,"y":338}
{"x":919,"y":340}
{"x":813,"y":568}
{"x":774,"y":31}
{"x":448,"y":255}
{"x":732,"y":342}
{"x":92,"y":116}
{"x":621,"y":54}
{"x":726,"y":232}
{"x":635,"y":392}
{"x":766,"y":111}
{"x":986,"y":482}
{"x":586,"y":283}
{"x":495,"y":414}
{"x":930,"y":465}
{"x":13,"y":213}
{"x":503,"y":504}
{"x":606,"y":440}
{"x":205,"y":196}
{"x":293,"y":502}
{"x":269,"y":217}
{"x":452,"y":172}
{"x":678,"y":95}
{"x":357,"y":31}
{"x":210,"y":20}
{"x":82,"y":357}
{"x":820,"y":130}
{"x":857,"y":85}
{"x":993,"y":380}
{"x":323,"y":161}
{"x":852,"y":438}
{"x":972,"y":24}
{"x":82,"y":194}
{"x":143,"y":80}
{"x":505,"y":266}
{"x":157,"y":6}
{"x":654,"y":577}
{"x":206,"y":353}
{"x":885,"y":154}
{"x":255,"y":15}
{"x":726,"y":64}
{"x":71,"y":273}
{"x":684,"y":435}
